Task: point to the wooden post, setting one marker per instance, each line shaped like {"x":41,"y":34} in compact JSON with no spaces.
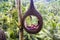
{"x":20,"y":19}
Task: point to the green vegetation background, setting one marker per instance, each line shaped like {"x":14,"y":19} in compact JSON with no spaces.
{"x":50,"y":12}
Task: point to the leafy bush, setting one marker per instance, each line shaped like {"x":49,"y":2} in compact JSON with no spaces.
{"x":51,"y":20}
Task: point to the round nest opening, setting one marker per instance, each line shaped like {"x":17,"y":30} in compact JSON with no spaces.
{"x":31,"y":24}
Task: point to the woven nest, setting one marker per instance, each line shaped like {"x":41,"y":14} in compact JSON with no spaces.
{"x":32,"y":11}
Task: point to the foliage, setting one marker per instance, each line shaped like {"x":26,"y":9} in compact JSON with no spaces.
{"x":51,"y":20}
